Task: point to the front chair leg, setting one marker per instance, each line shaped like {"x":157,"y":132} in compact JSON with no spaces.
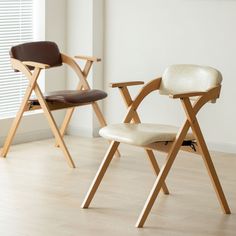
{"x":59,"y":138}
{"x":16,"y":121}
{"x":155,"y":190}
{"x":33,"y":78}
{"x":101,"y":172}
{"x":162,"y":175}
{"x":156,"y":168}
{"x":11,"y":133}
{"x":53,"y":126}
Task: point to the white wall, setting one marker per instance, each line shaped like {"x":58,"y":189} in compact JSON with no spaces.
{"x":142,"y":37}
{"x":35,"y":127}
{"x":85,"y":37}
{"x":55,"y":30}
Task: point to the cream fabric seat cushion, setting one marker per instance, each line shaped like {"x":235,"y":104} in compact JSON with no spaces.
{"x":141,"y":134}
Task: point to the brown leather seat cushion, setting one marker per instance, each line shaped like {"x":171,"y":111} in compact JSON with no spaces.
{"x":42,"y":51}
{"x":73,"y":97}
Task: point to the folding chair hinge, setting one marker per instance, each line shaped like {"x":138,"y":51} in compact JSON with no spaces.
{"x":190,"y":144}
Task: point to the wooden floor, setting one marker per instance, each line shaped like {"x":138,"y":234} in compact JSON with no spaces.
{"x":41,"y":196}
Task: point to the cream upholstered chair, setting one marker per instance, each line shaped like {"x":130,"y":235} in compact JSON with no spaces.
{"x":185,"y":82}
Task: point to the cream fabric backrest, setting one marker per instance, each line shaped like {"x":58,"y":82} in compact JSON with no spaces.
{"x":189,"y":78}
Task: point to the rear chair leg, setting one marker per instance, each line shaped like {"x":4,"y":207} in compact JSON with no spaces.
{"x":65,"y":122}
{"x":216,"y":183}
{"x":206,"y":155}
{"x":162,"y":175}
{"x":101,"y":120}
{"x":101,"y":172}
{"x":211,"y":169}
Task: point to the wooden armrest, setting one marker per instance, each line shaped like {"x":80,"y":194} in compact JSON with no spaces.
{"x":186,"y":95}
{"x":124,"y":84}
{"x":35,"y":64}
{"x":94,"y":59}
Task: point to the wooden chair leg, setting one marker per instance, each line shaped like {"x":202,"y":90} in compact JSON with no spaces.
{"x":99,"y":114}
{"x":206,"y":155}
{"x":155,"y":190}
{"x":19,"y":115}
{"x":214,"y":178}
{"x":59,"y":138}
{"x":156,"y":168}
{"x":65,"y":122}
{"x":54,"y":127}
{"x":11,"y":133}
{"x":128,"y":102}
{"x":101,"y":172}
{"x":102,"y":120}
{"x":162,"y":175}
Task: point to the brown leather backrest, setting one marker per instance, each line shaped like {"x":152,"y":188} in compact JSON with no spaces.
{"x":42,"y":51}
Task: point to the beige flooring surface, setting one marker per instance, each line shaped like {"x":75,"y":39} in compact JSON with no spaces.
{"x":41,"y":196}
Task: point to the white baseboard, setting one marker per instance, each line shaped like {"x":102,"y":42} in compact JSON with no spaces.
{"x":46,"y":134}
{"x":29,"y":136}
{"x":222,"y":147}
{"x":96,"y":132}
{"x":85,"y":132}
{"x":82,"y":132}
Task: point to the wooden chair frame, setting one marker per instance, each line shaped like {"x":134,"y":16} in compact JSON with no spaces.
{"x":32,"y":76}
{"x":171,"y":148}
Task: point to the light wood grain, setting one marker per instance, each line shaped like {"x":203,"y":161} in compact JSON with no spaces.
{"x":48,"y":107}
{"x":32,"y":76}
{"x":100,"y":173}
{"x":41,"y":196}
{"x":82,"y":75}
{"x":36,"y":64}
{"x":136,"y":119}
{"x":191,"y":121}
{"x":205,"y":154}
{"x":125,"y":84}
{"x":88,"y":58}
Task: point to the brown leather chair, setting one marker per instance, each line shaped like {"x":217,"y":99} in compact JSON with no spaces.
{"x":30,"y":59}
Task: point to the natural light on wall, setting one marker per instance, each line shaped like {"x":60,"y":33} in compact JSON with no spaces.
{"x":16,"y":26}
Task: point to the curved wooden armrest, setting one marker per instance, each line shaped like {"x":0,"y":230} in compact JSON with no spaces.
{"x":36,"y":64}
{"x":146,"y":90}
{"x":76,"y":68}
{"x":93,"y":59}
{"x":186,"y":95}
{"x":125,"y":84}
{"x":19,"y":66}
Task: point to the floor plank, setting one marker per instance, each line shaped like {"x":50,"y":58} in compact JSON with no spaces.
{"x":41,"y":196}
